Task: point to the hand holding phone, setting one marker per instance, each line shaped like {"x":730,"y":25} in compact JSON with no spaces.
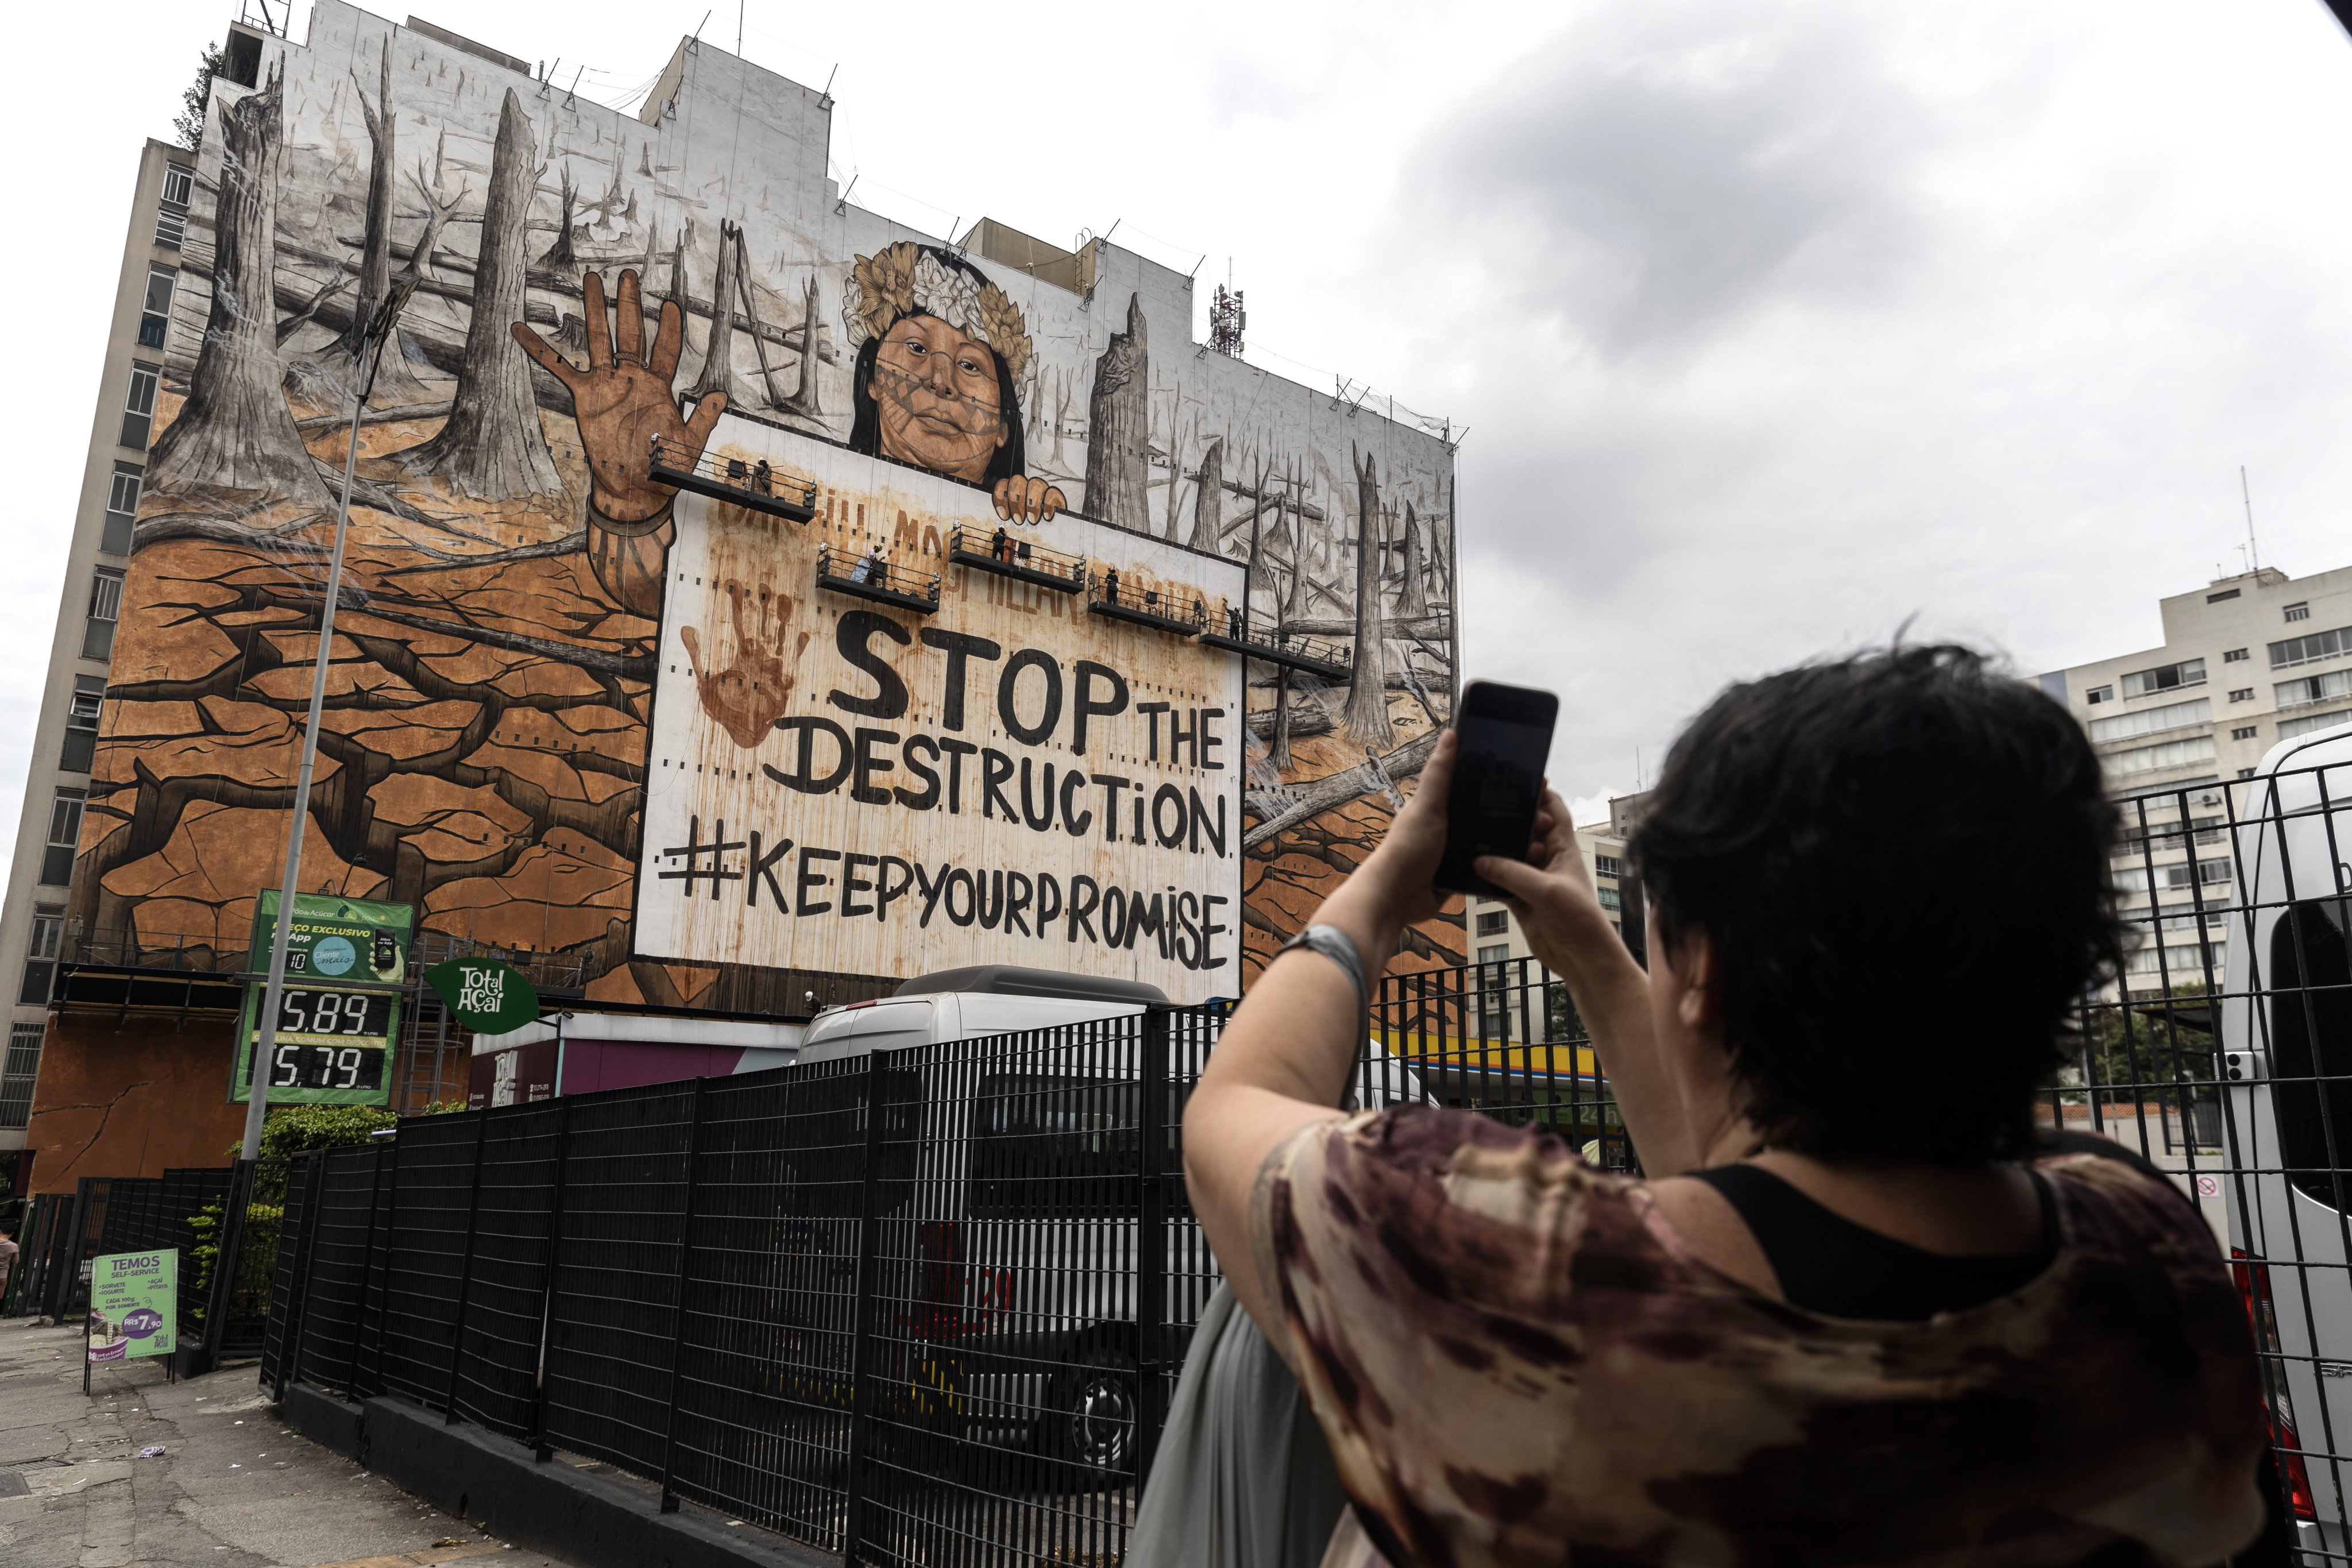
{"x":1504,"y":739}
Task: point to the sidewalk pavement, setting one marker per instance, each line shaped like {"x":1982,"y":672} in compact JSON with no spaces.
{"x":232,"y":1489}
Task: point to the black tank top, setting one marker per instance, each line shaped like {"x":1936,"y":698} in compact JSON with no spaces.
{"x":1830,"y":1265}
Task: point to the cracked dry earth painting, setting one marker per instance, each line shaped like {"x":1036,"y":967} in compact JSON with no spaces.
{"x":586,"y":282}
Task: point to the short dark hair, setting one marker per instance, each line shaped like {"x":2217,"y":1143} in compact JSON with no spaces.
{"x":1902,"y":861}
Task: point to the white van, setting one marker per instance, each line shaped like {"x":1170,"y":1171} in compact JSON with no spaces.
{"x":2286,"y":1070}
{"x":1008,"y":1253}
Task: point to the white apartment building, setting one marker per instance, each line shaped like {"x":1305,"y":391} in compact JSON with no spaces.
{"x":32,"y":923}
{"x":1495,"y":933}
{"x":2246,"y":662}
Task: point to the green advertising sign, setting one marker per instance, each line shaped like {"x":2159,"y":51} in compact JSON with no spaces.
{"x":135,"y":1304}
{"x":334,"y":1041}
{"x":487,"y":996}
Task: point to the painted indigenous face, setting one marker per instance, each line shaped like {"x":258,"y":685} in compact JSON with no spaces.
{"x":935,"y":390}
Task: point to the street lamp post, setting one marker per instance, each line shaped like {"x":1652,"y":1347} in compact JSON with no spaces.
{"x":265,"y":1049}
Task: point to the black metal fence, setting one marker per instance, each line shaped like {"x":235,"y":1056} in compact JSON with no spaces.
{"x":924,"y":1305}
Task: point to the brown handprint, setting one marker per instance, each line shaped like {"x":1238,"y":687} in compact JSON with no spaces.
{"x":751,"y":693}
{"x":622,"y":403}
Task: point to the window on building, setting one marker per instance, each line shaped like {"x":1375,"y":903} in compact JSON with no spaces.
{"x":2311,"y":648}
{"x":2235,"y":656}
{"x":2164,"y":836}
{"x":2165,"y":678}
{"x":2245,"y":773}
{"x":171,"y":230}
{"x":1499,"y":953}
{"x":179,"y":182}
{"x":105,"y":612}
{"x":65,"y":832}
{"x":2224,"y":594}
{"x":2245,"y":731}
{"x":2241,"y":694}
{"x":2170,"y":755}
{"x":82,"y":723}
{"x":172,"y":222}
{"x":1608,"y":865}
{"x":2301,"y":612}
{"x":41,"y":959}
{"x":139,"y":405}
{"x":2149,"y":720}
{"x":16,"y":1075}
{"x":155,"y":311}
{"x":2290,"y":728}
{"x":1494,"y":923}
{"x":2100,"y":694}
{"x":122,"y":509}
{"x":1610,"y":899}
{"x":2311,"y":688}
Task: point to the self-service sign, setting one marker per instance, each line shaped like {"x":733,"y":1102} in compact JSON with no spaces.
{"x":135,"y":1304}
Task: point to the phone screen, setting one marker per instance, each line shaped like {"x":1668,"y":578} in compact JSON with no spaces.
{"x":1498,"y":771}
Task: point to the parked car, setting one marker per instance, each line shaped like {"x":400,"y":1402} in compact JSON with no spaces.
{"x":2286,"y":1070}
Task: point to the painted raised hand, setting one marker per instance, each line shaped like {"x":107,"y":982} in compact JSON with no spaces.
{"x":623,"y":402}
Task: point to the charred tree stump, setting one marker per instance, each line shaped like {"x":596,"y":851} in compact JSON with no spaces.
{"x":1119,"y":429}
{"x":375,"y":245}
{"x":719,"y":349}
{"x":1367,"y":712}
{"x":1209,"y":504}
{"x":493,"y":445}
{"x":560,"y":253}
{"x":806,"y":400}
{"x":234,"y":432}
{"x":1414,"y":603}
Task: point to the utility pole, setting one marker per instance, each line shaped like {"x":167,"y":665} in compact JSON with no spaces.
{"x":265,"y":1049}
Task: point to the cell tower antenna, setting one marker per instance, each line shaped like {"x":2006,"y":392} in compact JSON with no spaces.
{"x":2246,"y":493}
{"x":1227,"y":317}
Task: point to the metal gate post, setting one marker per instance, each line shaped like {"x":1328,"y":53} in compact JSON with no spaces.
{"x":367,"y":1271}
{"x":861,"y":1318}
{"x":227,"y":1247}
{"x":685,"y":1272}
{"x":465,"y":1270}
{"x":1152,"y":1242}
{"x":540,"y":1449}
{"x":306,"y":1258}
{"x":391,"y":1259}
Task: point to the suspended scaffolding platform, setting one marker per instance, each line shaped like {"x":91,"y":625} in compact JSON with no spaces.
{"x":1023,"y":560}
{"x":753,"y":485}
{"x":869,"y":576}
{"x":1107,"y":595}
{"x":1334,"y":661}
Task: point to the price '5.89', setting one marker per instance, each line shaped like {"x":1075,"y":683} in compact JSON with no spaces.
{"x":352,"y":1014}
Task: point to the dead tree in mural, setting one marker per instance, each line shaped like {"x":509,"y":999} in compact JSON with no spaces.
{"x":719,"y":349}
{"x":560,"y":253}
{"x":1414,"y":602}
{"x":804,"y":400}
{"x":375,"y":243}
{"x":492,"y":445}
{"x":1119,"y":429}
{"x":234,"y":432}
{"x":1209,"y":504}
{"x":1367,"y":713}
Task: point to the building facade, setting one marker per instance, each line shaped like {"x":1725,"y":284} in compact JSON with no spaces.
{"x":89,"y":607}
{"x":750,"y":601}
{"x":1495,"y":936}
{"x":2246,"y":661}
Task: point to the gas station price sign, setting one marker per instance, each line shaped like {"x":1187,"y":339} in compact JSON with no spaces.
{"x":332,"y":1039}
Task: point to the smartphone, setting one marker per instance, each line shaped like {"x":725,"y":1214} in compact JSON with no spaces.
{"x":1498,"y":773}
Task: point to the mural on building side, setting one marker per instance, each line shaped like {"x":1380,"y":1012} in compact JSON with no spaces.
{"x":589,"y":283}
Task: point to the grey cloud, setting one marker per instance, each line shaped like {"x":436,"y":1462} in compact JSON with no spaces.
{"x":1655,"y":173}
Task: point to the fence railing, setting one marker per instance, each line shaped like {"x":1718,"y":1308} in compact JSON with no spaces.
{"x":921,"y":1305}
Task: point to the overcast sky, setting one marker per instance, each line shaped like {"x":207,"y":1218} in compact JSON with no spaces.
{"x":1773,"y":325}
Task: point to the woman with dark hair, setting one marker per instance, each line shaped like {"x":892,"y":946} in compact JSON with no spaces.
{"x":1852,"y":1312}
{"x":941,"y":354}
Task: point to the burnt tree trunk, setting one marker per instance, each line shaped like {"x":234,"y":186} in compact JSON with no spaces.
{"x":493,"y":444}
{"x":719,"y":349}
{"x":1415,"y":601}
{"x":1208,"y":505}
{"x":1367,"y":713}
{"x":804,"y":400}
{"x":560,"y":253}
{"x":1119,"y":429}
{"x":376,"y":245}
{"x":679,"y":284}
{"x":234,"y":432}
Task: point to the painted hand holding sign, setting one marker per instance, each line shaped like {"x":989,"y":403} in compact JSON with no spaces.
{"x":846,"y":782}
